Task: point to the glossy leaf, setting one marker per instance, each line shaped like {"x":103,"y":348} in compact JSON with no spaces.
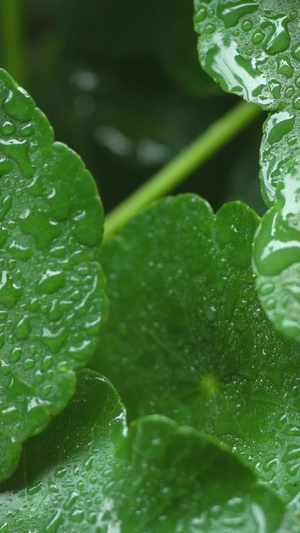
{"x":251,"y":48}
{"x":187,"y":337}
{"x":175,"y":479}
{"x":164,"y":478}
{"x":281,"y":136}
{"x":276,"y":256}
{"x":59,"y":484}
{"x":51,"y":288}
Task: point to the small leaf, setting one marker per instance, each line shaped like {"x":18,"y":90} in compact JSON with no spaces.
{"x":187,"y":337}
{"x":51,"y":285}
{"x":164,"y":478}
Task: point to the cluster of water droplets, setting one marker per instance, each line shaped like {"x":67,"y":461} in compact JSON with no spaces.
{"x":252,"y":48}
{"x":65,"y":490}
{"x":51,"y":286}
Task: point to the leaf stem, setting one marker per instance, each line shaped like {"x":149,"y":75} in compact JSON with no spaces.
{"x":12,"y":39}
{"x":179,"y":169}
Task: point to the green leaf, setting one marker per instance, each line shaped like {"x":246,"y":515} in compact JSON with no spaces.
{"x":276,"y":251}
{"x":175,"y":479}
{"x":59,"y":484}
{"x":163,"y":479}
{"x":281,"y":136}
{"x":51,"y":287}
{"x":276,"y":254}
{"x":187,"y":337}
{"x":251,"y":48}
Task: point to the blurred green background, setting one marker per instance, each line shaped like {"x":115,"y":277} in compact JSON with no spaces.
{"x":121,"y":84}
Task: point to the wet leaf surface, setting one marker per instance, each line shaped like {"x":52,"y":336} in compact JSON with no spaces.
{"x":187,"y":337}
{"x":162,"y":479}
{"x":253,"y":49}
{"x":59,"y":484}
{"x":52,"y":298}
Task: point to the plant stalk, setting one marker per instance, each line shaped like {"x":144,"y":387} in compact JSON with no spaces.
{"x":182,"y":166}
{"x":12,"y":39}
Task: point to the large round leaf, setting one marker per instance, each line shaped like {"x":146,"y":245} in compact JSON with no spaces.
{"x":187,"y":337}
{"x":51,"y":285}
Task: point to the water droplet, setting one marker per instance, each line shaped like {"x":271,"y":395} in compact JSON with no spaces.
{"x":34,"y":489}
{"x":39,"y":376}
{"x":27,"y":130}
{"x":210,"y":28}
{"x":231,"y":12}
{"x":211,"y":313}
{"x":22,"y":328}
{"x":37,"y":224}
{"x":278,"y":38}
{"x":18,"y":151}
{"x":19,"y":105}
{"x":3,"y":236}
{"x":200,"y":15}
{"x":80,"y":351}
{"x":34,"y":305}
{"x":47,"y":362}
{"x":56,"y":311}
{"x":54,"y":339}
{"x":289,"y":92}
{"x":59,"y":201}
{"x":4,"y":208}
{"x":284,"y":66}
{"x":270,"y":304}
{"x":296,"y":103}
{"x":275,"y":87}
{"x":296,"y":51}
{"x":247,"y":25}
{"x":28,"y":363}
{"x":278,"y":125}
{"x":8,"y":128}
{"x":19,"y":251}
{"x":71,"y":501}
{"x":258,"y":36}
{"x":10,"y":292}
{"x":266,"y":288}
{"x":51,"y":281}
{"x":291,"y":453}
{"x":60,"y":472}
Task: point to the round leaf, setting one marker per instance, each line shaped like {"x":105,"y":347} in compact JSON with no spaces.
{"x":187,"y":337}
{"x":51,"y":285}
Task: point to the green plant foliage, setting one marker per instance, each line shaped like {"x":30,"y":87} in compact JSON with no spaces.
{"x":187,"y":337}
{"x":252,"y":49}
{"x":59,"y":484}
{"x":132,"y":98}
{"x":163,"y":478}
{"x":209,"y":383}
{"x":52,"y":289}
